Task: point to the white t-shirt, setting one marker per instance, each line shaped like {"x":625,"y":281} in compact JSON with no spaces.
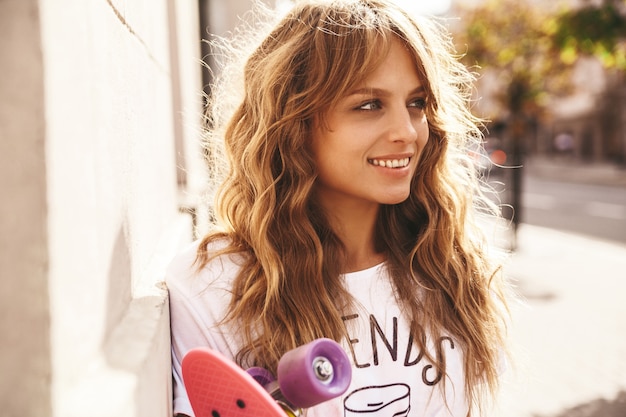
{"x":390,"y":377}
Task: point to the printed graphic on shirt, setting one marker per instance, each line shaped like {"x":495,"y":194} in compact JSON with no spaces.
{"x":380,"y":401}
{"x":393,"y":399}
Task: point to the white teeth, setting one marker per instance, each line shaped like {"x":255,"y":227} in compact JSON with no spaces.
{"x":390,"y":163}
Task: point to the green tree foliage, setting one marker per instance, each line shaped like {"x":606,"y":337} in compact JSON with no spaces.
{"x":593,"y":30}
{"x":514,"y":40}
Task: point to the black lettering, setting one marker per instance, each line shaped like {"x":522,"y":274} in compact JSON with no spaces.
{"x":441,"y":362}
{"x":438,"y":376}
{"x":352,"y":342}
{"x":409,"y":348}
{"x":391,"y":347}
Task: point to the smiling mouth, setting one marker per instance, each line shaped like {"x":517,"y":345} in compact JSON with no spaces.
{"x":390,"y":163}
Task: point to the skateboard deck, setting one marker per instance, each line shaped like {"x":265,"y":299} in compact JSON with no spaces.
{"x":308,"y":375}
{"x":217,"y":387}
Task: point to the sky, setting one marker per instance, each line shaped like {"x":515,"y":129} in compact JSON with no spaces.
{"x":426,"y":6}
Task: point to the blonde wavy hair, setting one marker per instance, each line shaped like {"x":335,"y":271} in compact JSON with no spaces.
{"x":289,"y":291}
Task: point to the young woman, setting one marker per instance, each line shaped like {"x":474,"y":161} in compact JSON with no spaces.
{"x":348,"y":211}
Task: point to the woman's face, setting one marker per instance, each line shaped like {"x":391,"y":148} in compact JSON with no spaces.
{"x":369,"y":150}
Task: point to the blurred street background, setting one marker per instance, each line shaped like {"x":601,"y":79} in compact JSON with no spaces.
{"x":569,"y":267}
{"x":104,"y":179}
{"x":552,"y":84}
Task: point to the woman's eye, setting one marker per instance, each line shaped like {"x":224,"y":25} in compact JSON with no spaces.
{"x":419,"y":103}
{"x":370,"y":105}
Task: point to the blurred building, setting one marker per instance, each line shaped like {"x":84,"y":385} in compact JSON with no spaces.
{"x":594,"y":116}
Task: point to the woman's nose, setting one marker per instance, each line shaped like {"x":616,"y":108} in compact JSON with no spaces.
{"x":402,"y":126}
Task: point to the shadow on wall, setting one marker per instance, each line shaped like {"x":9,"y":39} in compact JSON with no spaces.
{"x":119,"y":296}
{"x":137,"y":343}
{"x":598,"y":408}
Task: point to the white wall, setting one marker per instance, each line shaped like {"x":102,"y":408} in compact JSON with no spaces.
{"x":99,"y":119}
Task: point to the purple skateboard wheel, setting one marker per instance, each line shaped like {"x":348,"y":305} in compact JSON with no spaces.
{"x":261,"y":375}
{"x":314,"y":373}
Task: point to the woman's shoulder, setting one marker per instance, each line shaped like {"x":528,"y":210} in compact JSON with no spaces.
{"x":185,"y":273}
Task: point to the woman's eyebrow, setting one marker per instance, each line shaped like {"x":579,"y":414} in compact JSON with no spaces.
{"x":381,"y":92}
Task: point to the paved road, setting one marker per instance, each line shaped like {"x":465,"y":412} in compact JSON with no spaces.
{"x":591,"y":209}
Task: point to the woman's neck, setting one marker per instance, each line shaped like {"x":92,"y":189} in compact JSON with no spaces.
{"x":356,"y":226}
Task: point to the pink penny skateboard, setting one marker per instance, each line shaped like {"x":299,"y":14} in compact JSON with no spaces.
{"x":308,"y":375}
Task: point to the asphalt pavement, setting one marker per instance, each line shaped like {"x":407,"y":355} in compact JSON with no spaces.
{"x":568,"y":330}
{"x":571,"y":170}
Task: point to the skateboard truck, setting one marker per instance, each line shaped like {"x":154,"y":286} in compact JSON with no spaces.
{"x":273,"y":388}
